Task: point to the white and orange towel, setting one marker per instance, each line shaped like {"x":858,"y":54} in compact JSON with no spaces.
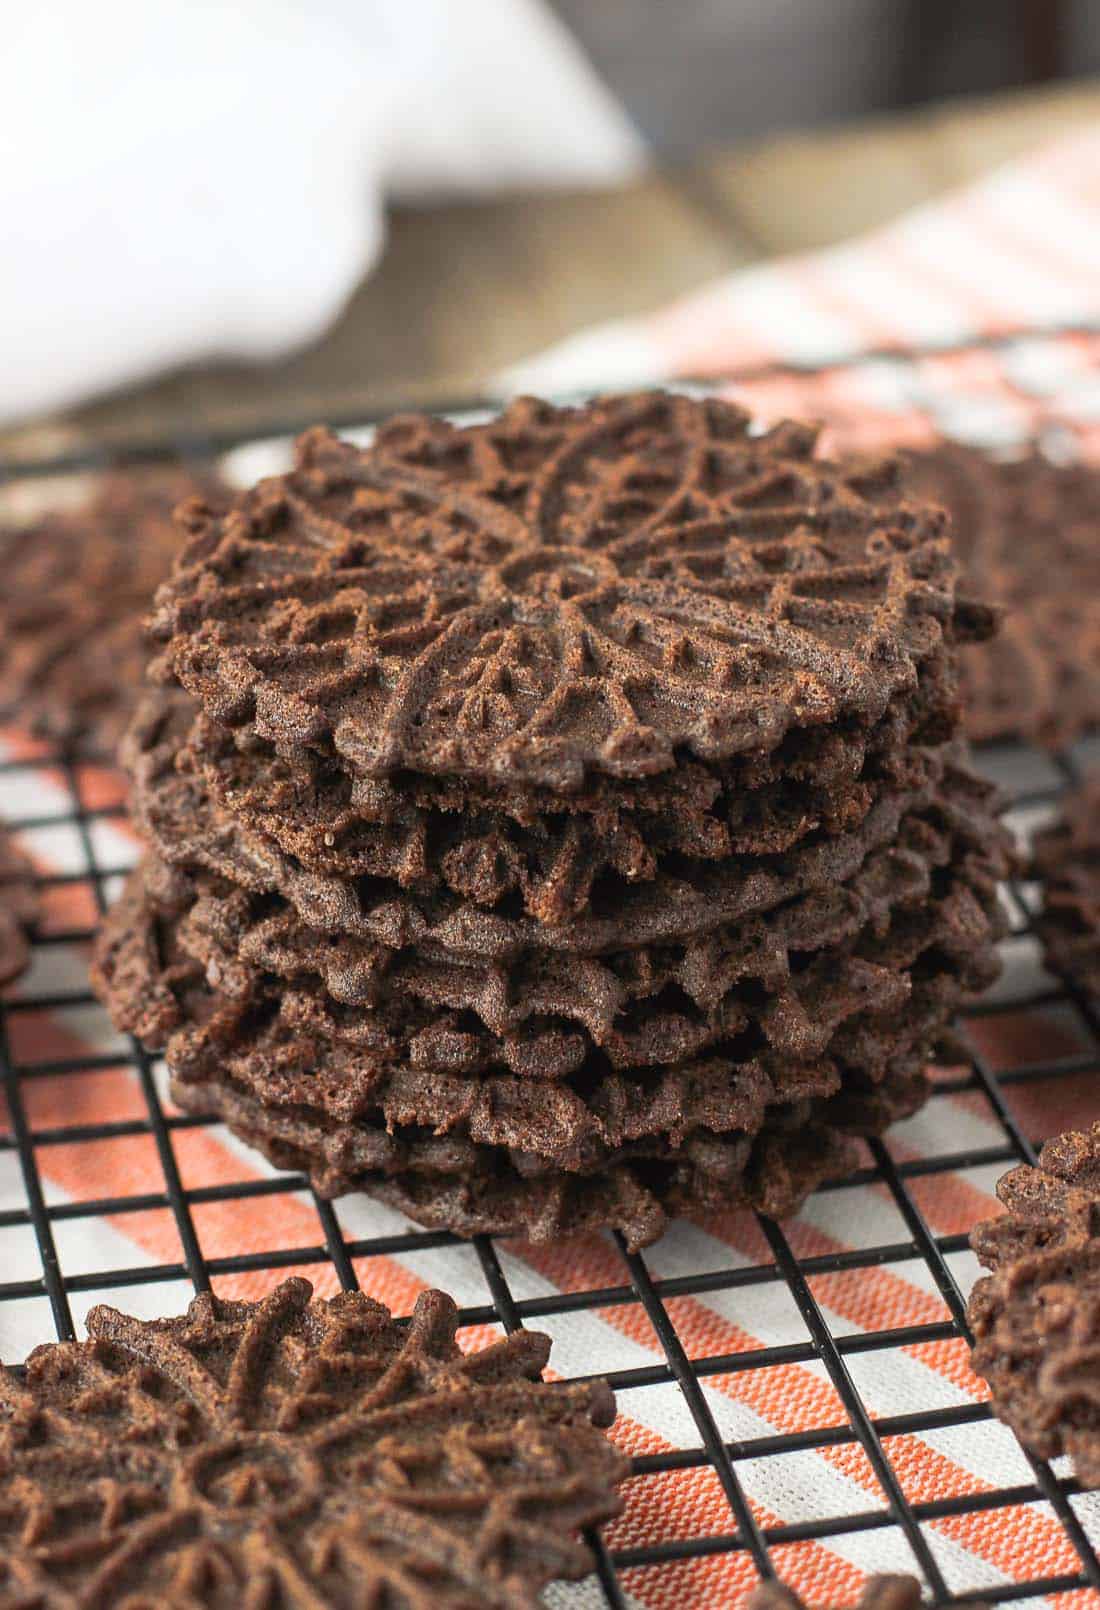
{"x":1014,"y":253}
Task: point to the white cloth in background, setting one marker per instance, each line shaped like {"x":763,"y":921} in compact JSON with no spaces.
{"x":186,"y":179}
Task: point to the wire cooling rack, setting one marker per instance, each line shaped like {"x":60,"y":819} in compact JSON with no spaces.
{"x":56,"y":1259}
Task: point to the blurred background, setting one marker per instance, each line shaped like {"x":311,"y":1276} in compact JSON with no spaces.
{"x":758,"y":66}
{"x":217,"y":214}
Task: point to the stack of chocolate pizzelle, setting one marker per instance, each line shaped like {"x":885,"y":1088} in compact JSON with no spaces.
{"x":878,"y":1593}
{"x":558,"y":822}
{"x":1066,"y":862}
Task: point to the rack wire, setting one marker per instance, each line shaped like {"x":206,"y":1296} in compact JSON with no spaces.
{"x":80,"y":804}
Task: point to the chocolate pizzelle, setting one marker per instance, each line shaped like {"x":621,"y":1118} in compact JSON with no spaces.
{"x":788,"y":979}
{"x":547,"y":850}
{"x":354,"y":1104}
{"x":1036,"y":1316}
{"x":1066,"y":860}
{"x":561,"y":590}
{"x":19,"y":907}
{"x":1025,"y":531}
{"x":575,"y":1064}
{"x":300,"y":1453}
{"x":557,"y":822}
{"x":76,"y":587}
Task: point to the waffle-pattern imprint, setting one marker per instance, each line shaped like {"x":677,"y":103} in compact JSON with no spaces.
{"x":1025,"y":532}
{"x":560,"y":590}
{"x":1036,"y":1317}
{"x":19,"y":907}
{"x":299,"y":1453}
{"x":76,"y":588}
{"x":1067,"y":862}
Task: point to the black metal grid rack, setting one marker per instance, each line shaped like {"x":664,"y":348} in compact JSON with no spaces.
{"x":903,"y":1180}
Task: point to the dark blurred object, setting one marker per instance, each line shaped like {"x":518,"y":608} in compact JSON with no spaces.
{"x":705,"y":72}
{"x":1026,"y":533}
{"x":77,"y":584}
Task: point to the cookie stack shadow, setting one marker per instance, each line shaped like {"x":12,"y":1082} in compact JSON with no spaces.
{"x":558,"y":822}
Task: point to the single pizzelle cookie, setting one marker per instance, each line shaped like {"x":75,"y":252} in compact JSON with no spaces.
{"x":77,"y":586}
{"x":1025,"y":534}
{"x":550,"y":849}
{"x":1066,"y":860}
{"x":19,"y":907}
{"x":188,"y":776}
{"x":1036,"y":1317}
{"x":300,"y":1453}
{"x":560,"y":591}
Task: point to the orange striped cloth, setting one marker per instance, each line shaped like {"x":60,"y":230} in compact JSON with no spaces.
{"x":1016,"y":252}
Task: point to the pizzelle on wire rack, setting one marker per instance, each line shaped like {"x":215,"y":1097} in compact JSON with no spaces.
{"x":774,"y":1503}
{"x":470,"y":625}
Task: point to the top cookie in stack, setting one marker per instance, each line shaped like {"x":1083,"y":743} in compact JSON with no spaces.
{"x":562,"y":824}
